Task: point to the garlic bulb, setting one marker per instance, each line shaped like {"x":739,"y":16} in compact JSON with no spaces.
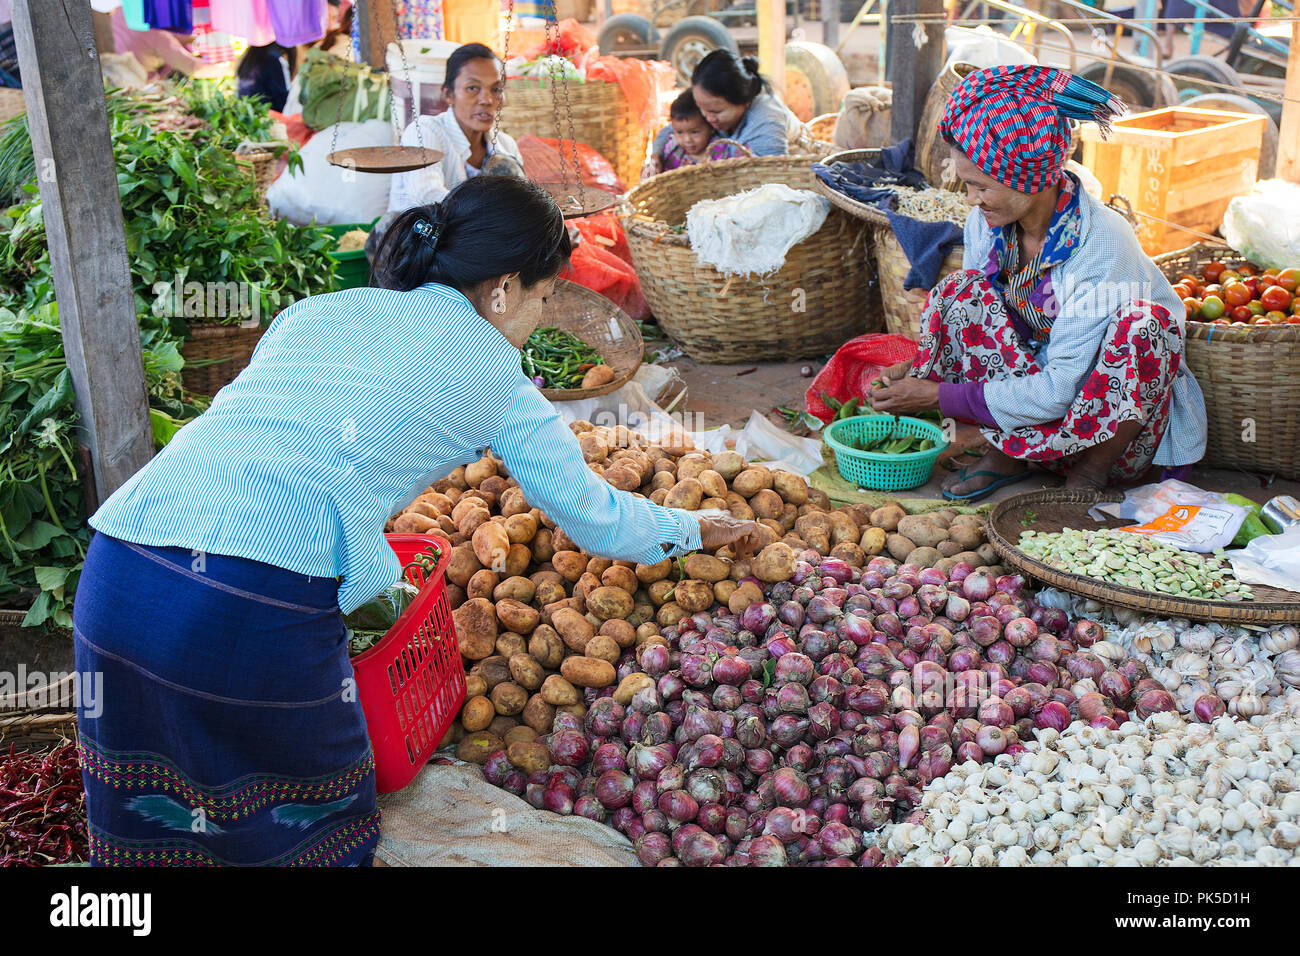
{"x":1111,"y":653}
{"x":1155,"y":637}
{"x":1167,"y":677}
{"x":1190,"y":664}
{"x":1230,"y":686}
{"x":1287,"y":667}
{"x":1228,"y":654}
{"x":1280,"y":639}
{"x":1247,"y":705}
{"x":1198,"y":639}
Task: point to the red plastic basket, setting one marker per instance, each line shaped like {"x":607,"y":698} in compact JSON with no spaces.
{"x":412,"y":683}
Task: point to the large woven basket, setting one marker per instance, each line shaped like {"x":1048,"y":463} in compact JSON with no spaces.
{"x":602,"y":119}
{"x":11,"y":103}
{"x":1250,"y":376}
{"x":602,"y":325}
{"x":214,"y":354}
{"x":902,"y":306}
{"x":716,"y":318}
{"x":260,"y":161}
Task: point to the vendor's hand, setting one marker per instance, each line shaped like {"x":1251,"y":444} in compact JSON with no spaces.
{"x":905,"y":396}
{"x":743,"y":536}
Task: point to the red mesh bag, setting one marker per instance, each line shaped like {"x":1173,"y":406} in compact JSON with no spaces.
{"x":853,"y":367}
{"x":601,"y":271}
{"x":542,"y":163}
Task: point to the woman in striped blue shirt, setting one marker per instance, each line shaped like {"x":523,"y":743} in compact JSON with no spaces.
{"x":211,"y":596}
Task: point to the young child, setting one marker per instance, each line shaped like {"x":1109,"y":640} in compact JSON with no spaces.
{"x":692,"y":141}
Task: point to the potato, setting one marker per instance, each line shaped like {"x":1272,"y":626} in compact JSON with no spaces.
{"x":570,"y":564}
{"x":818,"y":499}
{"x":694,"y":596}
{"x":623,"y":476}
{"x":604,"y":648}
{"x":520,"y":528}
{"x":861,"y":515}
{"x":538,"y":715}
{"x":712,"y":483}
{"x":483,"y":584}
{"x":660,"y":590}
{"x":843,"y":528}
{"x":617,"y":576}
{"x":455,"y":596}
{"x":573,"y":628}
{"x":530,"y":757}
{"x":546,"y":646}
{"x":585,"y":585}
{"x":969,"y":557}
{"x":988,"y":554}
{"x":411,"y":522}
{"x":924,"y":557}
{"x":477,"y":471}
{"x":815,"y":523}
{"x":650,"y":573}
{"x":517,"y":560}
{"x":948,"y":548}
{"x":598,"y":566}
{"x":494,"y":485}
{"x":774,"y":563}
{"x":518,"y":588}
{"x":454,"y":481}
{"x":462,"y":565}
{"x":669,"y":614}
{"x":706,"y":568}
{"x":476,"y":686}
{"x":557,"y":691}
{"x":663,"y":481}
{"x":540,"y":547}
{"x":686,"y":494}
{"x":966,"y":535}
{"x":751,"y":481}
{"x":509,"y":644}
{"x":744,"y":595}
{"x":722,"y":591}
{"x":563,"y":542}
{"x":594,"y":446}
{"x":607,"y":603}
{"x":647,"y":632}
{"x":741,"y":568}
{"x":512,"y":503}
{"x":526,"y":670}
{"x":478,"y":746}
{"x":790,"y":487}
{"x":477,"y":713}
{"x":476,"y":628}
{"x":873,"y":541}
{"x":517,"y":616}
{"x":549,"y":592}
{"x":820,"y":543}
{"x":946,"y":564}
{"x":899,"y":546}
{"x":939,"y":520}
{"x":508,"y":698}
{"x":658,"y":496}
{"x":922,"y":530}
{"x":693,"y":465}
{"x":739,"y":508}
{"x":887,"y":517}
{"x":454,"y":735}
{"x":597,"y":376}
{"x":789,"y":515}
{"x":502,"y":724}
{"x":728,"y":464}
{"x":769,"y":532}
{"x":629,"y":685}
{"x":491,"y":544}
{"x":587,"y":672}
{"x":516,"y":735}
{"x":666,"y":465}
{"x":621,"y":633}
{"x":850,"y":553}
{"x":767,"y":504}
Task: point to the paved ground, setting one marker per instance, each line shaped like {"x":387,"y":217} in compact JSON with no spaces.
{"x":719,"y":395}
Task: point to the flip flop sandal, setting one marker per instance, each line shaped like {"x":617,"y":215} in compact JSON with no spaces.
{"x":987,"y":489}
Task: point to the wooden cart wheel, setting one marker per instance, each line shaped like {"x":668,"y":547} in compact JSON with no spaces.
{"x":690,"y":41}
{"x":626,"y":31}
{"x":1139,"y":89}
{"x":815,"y":79}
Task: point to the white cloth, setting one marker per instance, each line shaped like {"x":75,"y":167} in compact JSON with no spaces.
{"x":431,"y":184}
{"x":751,"y":232}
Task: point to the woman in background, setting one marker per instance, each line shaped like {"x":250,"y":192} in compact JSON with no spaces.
{"x":264,"y":72}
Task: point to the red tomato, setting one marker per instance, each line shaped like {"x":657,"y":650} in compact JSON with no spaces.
{"x":1241,"y":313}
{"x":1289,"y":279}
{"x":1275,"y":297}
{"x":1193,"y":306}
{"x":1252,"y":284}
{"x":1212,"y":289}
{"x":1293,"y":320}
{"x":1236,"y":293}
{"x":1260,"y":320}
{"x":1182,"y":290}
{"x":1247,"y":269}
{"x":1212,"y":271}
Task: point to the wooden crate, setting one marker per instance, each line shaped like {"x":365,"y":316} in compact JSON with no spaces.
{"x":1177,"y":164}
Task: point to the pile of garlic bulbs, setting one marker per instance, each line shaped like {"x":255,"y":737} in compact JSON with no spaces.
{"x":1163,"y":792}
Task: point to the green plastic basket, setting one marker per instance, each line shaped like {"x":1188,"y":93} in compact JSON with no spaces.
{"x":877,"y":471}
{"x":353,"y":270}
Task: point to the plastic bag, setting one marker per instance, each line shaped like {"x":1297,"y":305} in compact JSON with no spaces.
{"x":600,"y":270}
{"x":1273,"y":560}
{"x":1179,"y":514}
{"x":643,"y":83}
{"x":853,"y":367}
{"x":332,"y":194}
{"x":1264,"y":226}
{"x":542,"y":163}
{"x":571,"y":39}
{"x":370,"y":622}
{"x":326,"y":79}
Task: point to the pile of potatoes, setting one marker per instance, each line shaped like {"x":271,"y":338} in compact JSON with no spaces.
{"x":538,"y":621}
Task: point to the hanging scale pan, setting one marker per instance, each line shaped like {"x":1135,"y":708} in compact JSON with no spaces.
{"x":575,"y":202}
{"x":385,"y":159}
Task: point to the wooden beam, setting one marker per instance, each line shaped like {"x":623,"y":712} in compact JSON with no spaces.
{"x":377,"y":25}
{"x":771,"y":42}
{"x":66,"y":113}
{"x":912,"y":71}
{"x":830,"y":10}
{"x":1288,"y":143}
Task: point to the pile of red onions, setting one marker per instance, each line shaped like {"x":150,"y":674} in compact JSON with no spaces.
{"x":788,"y":734}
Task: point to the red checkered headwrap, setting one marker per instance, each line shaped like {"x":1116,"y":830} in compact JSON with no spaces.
{"x":1012,"y":121}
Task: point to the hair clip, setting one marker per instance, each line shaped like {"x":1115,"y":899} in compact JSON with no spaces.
{"x":428,"y":232}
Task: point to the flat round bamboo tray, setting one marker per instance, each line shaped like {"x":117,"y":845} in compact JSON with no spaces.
{"x":602,"y":325}
{"x":37,"y":730}
{"x":823,"y":127}
{"x":719,"y":318}
{"x":1056,"y":509}
{"x":215,"y":354}
{"x":1250,"y":376}
{"x":860,"y":210}
{"x":602,"y":119}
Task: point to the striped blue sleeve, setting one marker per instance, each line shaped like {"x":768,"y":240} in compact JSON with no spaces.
{"x":543,"y":455}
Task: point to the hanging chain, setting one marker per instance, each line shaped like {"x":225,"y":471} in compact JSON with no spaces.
{"x":561,"y":77}
{"x":361,"y":73}
{"x":505,"y":71}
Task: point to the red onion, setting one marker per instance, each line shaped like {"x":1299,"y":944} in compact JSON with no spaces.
{"x":1021,"y":632}
{"x":1208,"y":707}
{"x":1052,"y":715}
{"x":614,"y":789}
{"x":1051,"y":619}
{"x":589,"y":807}
{"x":996,"y":713}
{"x":558,"y":799}
{"x":874,"y":813}
{"x":647,"y":762}
{"x":701,"y":849}
{"x":569,"y":748}
{"x":672,"y":777}
{"x":1007,"y":613}
{"x":837,"y":840}
{"x":1115,"y":686}
{"x":1119,"y":716}
{"x":1042,"y":672}
{"x":671,"y":686}
{"x":759,"y":760}
{"x":1093,"y":705}
{"x":800,"y":757}
{"x":791,"y":787}
{"x":496,"y":768}
{"x":787,"y":730}
{"x":678,"y":806}
{"x":565,"y":721}
{"x":970,"y":751}
{"x":653,"y":848}
{"x":757,"y":617}
{"x":605,"y":717}
{"x":699,"y":722}
{"x":991,"y":740}
{"x":976,"y":586}
{"x":1083,"y":665}
{"x":964,"y":659}
{"x":1086,"y":633}
{"x":731,"y":670}
{"x":1000,"y":652}
{"x":1020,"y":700}
{"x":781,"y":645}
{"x":712,"y":818}
{"x":785,"y":824}
{"x":654,"y":659}
{"x":767,"y":851}
{"x":1103,"y":723}
{"x":909,"y":745}
{"x":985,"y":629}
{"x":1155,"y":702}
{"x":889,"y":623}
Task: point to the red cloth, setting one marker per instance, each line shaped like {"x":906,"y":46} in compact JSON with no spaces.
{"x":853,"y":367}
{"x":297,"y":131}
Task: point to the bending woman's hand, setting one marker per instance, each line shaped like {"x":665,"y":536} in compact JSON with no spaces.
{"x":743,"y":536}
{"x":904,"y":396}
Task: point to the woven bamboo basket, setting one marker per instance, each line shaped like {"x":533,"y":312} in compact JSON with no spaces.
{"x":903,"y":306}
{"x":602,"y":119}
{"x":214,"y":354}
{"x":260,"y":161}
{"x":1049,"y":511}
{"x":1250,"y":376}
{"x":716,"y":318}
{"x":11,"y":103}
{"x":822,"y":127}
{"x":602,"y":325}
{"x":37,"y":729}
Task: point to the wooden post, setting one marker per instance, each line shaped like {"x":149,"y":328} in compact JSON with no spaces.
{"x":1288,"y":144}
{"x":66,"y":113}
{"x":771,"y":42}
{"x":377,"y":27}
{"x":911,"y":71}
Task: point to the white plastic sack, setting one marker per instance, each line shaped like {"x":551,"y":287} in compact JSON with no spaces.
{"x":332,"y":194}
{"x":1270,"y":559}
{"x":983,"y":48}
{"x":1192,"y":519}
{"x":749,"y":233}
{"x":1264,"y":226}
